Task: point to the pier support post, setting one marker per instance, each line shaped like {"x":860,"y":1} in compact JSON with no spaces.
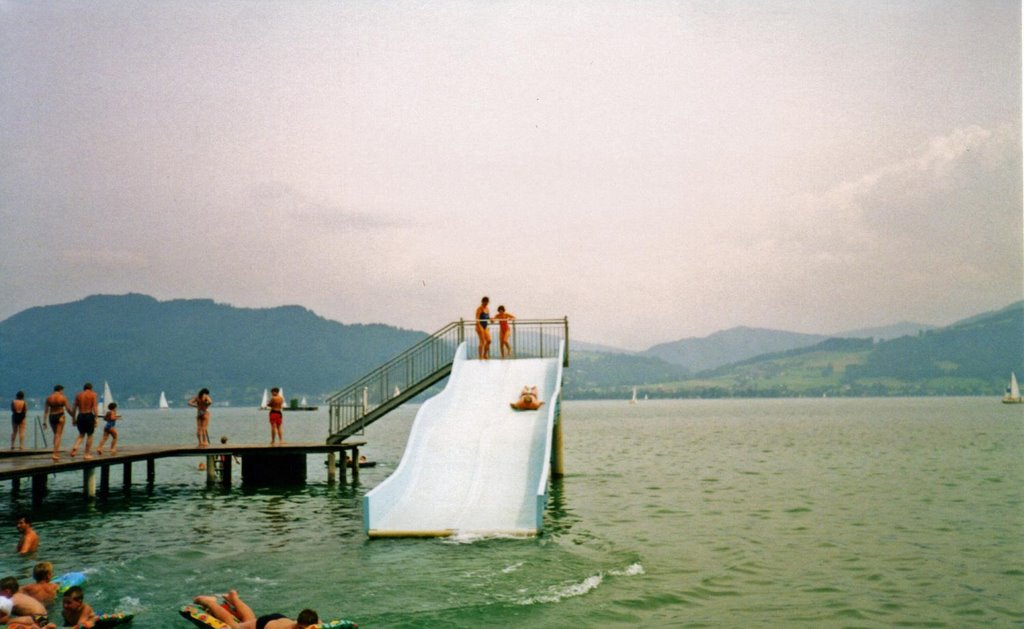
{"x":104,"y":480}
{"x":15,"y":486}
{"x":127,"y":477}
{"x":225,"y":470}
{"x":89,"y":482}
{"x":211,"y":471}
{"x":557,"y":458}
{"x":38,"y":489}
{"x":355,"y":463}
{"x":150,"y":471}
{"x":332,"y":467}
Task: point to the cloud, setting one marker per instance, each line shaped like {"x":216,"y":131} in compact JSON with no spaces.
{"x":284,"y":202}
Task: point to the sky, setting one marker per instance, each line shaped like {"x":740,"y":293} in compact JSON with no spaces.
{"x":651,"y":170}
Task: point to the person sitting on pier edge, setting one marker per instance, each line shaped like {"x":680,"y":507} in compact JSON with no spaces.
{"x":528,"y":400}
{"x":246,"y":618}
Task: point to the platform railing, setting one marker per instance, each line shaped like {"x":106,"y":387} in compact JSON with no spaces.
{"x":427,"y":362}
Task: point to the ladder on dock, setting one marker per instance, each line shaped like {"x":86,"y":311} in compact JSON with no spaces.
{"x":428,"y":362}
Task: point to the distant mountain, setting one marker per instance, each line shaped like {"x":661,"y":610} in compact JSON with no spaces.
{"x":583,"y":346}
{"x":886,"y":333}
{"x":729,"y":346}
{"x":143,"y":346}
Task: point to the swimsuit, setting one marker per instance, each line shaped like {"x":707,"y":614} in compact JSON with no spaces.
{"x":262,"y":621}
{"x":484,"y":316}
{"x":86,"y":423}
{"x":17,"y":416}
{"x":109,"y":425}
{"x":56,"y":419}
{"x":276,"y":417}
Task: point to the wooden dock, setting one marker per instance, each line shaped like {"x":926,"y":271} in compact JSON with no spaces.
{"x":261,"y":464}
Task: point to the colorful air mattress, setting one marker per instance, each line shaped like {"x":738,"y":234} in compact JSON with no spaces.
{"x":202,"y":618}
{"x":66,"y":581}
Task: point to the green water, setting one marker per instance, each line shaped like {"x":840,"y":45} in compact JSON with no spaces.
{"x":738,"y":513}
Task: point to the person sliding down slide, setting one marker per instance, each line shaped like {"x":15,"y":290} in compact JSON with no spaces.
{"x":528,"y":400}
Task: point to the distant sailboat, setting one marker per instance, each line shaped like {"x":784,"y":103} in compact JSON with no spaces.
{"x":108,"y":397}
{"x":633,"y":400}
{"x":1012,"y":395}
{"x":163,"y":401}
{"x":265,"y":400}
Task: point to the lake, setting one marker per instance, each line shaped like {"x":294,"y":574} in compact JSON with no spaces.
{"x":716,"y":513}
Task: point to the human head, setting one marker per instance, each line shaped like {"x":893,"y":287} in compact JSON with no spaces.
{"x":43,"y":571}
{"x":58,"y":387}
{"x":501,"y":308}
{"x":9,"y":585}
{"x":87,"y":386}
{"x":224,"y":439}
{"x":204,"y":391}
{"x":306,"y":618}
{"x":20,"y":395}
{"x":275,"y":390}
{"x":22,"y":522}
{"x":485,"y":301}
{"x":112,"y":406}
{"x":74,"y":598}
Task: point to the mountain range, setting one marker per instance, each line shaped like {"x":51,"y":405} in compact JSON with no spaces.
{"x":143,"y":346}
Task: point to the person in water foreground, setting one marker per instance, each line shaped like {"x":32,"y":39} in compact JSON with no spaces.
{"x":244,"y":617}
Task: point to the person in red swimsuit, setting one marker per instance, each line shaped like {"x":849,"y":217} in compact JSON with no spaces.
{"x":504,"y":330}
{"x":275,"y":404}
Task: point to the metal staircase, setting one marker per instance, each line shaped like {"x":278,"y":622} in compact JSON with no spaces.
{"x":424,"y":364}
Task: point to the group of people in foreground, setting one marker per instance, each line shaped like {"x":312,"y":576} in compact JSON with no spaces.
{"x":24,"y":607}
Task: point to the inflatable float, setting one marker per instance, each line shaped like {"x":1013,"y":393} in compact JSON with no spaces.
{"x":66,"y":581}
{"x":202,"y":618}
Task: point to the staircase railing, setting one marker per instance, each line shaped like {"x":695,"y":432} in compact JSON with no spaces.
{"x":427,"y":362}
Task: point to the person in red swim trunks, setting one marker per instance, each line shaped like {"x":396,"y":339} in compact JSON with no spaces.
{"x":275,"y":404}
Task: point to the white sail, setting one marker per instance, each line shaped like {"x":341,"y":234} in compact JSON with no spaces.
{"x":633,"y":400}
{"x":108,"y":397}
{"x":163,"y":401}
{"x":1012,"y":395}
{"x":265,"y":400}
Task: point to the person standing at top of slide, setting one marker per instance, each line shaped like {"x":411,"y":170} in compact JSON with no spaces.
{"x":56,"y":405}
{"x":275,"y":404}
{"x":483,"y":316}
{"x":84,"y":414}
{"x":504,"y":331}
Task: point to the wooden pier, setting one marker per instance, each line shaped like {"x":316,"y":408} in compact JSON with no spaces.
{"x":261,"y":464}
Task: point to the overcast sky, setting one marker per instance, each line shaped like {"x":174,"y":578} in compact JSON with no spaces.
{"x":652,"y":170}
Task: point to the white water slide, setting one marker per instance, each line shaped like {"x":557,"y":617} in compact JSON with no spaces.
{"x":473,"y":466}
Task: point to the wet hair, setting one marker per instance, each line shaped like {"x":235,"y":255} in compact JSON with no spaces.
{"x":75,"y":593}
{"x":20,"y":395}
{"x":307,"y":617}
{"x":87,"y":385}
{"x":42,"y":570}
{"x":10,"y":584}
{"x":23,"y":516}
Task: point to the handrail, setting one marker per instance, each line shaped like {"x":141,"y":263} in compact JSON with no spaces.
{"x":418,"y":368}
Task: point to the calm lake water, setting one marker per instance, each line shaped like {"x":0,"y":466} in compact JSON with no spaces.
{"x":725,"y":513}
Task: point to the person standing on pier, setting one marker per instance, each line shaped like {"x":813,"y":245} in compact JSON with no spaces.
{"x":84,"y":415}
{"x":56,"y":405}
{"x":19,"y":411}
{"x":483,"y":316}
{"x":276,"y":404}
{"x":202,"y":403}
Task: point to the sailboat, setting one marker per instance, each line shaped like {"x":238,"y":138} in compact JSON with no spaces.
{"x":633,"y":400}
{"x":163,"y":401}
{"x":1012,"y":395}
{"x":107,"y":398}
{"x":265,"y":400}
